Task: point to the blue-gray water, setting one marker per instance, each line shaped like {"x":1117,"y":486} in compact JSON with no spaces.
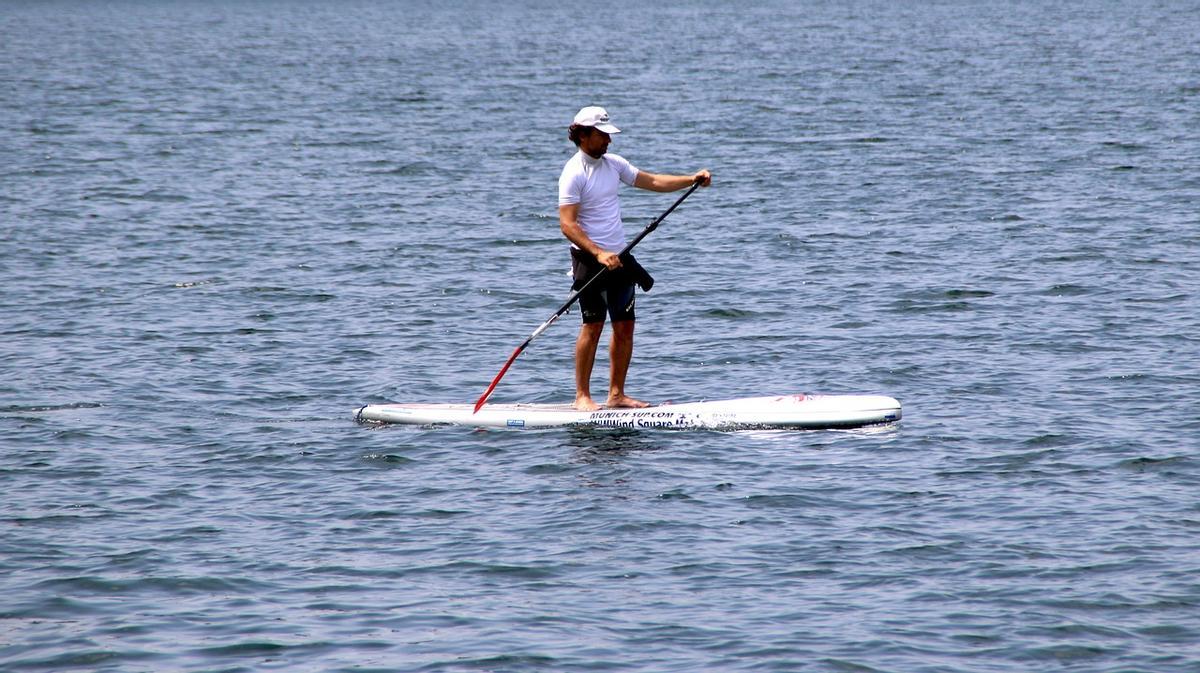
{"x":227,"y":224}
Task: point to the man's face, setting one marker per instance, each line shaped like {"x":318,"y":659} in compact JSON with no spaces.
{"x":595,"y":143}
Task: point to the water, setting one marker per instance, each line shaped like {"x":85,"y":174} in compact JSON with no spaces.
{"x":226,"y":225}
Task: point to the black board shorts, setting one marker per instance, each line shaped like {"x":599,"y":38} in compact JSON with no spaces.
{"x":613,"y":294}
{"x":615,"y":300}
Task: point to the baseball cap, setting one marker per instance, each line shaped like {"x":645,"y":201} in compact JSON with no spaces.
{"x":596,"y":117}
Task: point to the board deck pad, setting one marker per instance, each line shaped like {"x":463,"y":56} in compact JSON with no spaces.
{"x":800,"y":411}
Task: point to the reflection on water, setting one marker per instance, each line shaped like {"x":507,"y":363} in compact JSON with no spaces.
{"x":596,"y":445}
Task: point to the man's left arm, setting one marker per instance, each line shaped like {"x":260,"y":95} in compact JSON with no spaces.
{"x":670,"y":183}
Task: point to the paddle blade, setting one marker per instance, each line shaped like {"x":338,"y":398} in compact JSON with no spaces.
{"x":503,"y":370}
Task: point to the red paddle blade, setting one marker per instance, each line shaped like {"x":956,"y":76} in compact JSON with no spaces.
{"x":488,"y":393}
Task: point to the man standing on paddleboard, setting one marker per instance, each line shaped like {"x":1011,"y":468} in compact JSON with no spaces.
{"x":589,"y":213}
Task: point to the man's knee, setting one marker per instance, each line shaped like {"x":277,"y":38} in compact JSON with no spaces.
{"x":591,"y":331}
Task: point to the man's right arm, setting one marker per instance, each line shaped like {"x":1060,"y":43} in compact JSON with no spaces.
{"x":568,"y":221}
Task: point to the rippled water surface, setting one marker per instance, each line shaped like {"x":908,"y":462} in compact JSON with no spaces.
{"x":226,"y":225}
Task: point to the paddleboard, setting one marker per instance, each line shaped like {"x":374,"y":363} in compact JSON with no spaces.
{"x":776,"y":412}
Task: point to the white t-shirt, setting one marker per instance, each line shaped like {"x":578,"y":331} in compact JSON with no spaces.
{"x":593,"y":184}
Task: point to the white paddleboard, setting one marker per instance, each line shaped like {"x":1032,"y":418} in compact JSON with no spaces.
{"x":776,"y":412}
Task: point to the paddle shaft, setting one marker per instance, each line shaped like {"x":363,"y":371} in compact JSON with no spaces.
{"x":575,"y":296}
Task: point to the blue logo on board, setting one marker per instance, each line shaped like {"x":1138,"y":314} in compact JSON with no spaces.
{"x":516,"y":423}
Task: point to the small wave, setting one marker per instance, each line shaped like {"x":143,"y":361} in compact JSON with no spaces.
{"x":503,"y":662}
{"x":1065,"y":290}
{"x":407,"y":170}
{"x":910,"y":306}
{"x":1144,"y":464}
{"x":38,"y":408}
{"x":968,"y":294}
{"x":86,"y":585}
{"x":187,"y":284}
{"x":1050,"y":440}
{"x":734,"y":313}
{"x":84,"y":659}
{"x":247,"y":648}
{"x":1131,"y":147}
{"x":389,"y":458}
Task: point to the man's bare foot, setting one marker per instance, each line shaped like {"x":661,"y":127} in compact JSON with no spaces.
{"x":625,"y":402}
{"x":585,"y":404}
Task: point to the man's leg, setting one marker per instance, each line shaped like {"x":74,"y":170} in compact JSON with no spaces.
{"x":620,"y":354}
{"x":585,"y":357}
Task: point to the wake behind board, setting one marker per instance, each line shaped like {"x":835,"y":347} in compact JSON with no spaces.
{"x":776,"y":412}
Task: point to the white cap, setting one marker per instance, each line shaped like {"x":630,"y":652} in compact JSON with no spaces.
{"x":596,"y":117}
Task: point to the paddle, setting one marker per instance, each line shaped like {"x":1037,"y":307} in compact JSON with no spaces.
{"x":575,"y":295}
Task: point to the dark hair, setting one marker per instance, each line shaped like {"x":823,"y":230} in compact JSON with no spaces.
{"x":576,"y":132}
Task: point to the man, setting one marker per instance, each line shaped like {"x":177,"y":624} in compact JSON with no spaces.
{"x":589,"y":213}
